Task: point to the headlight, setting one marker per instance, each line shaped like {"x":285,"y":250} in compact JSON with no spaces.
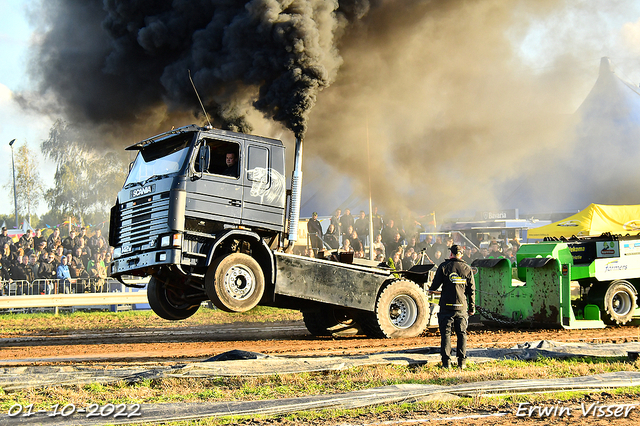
{"x":174,"y":240}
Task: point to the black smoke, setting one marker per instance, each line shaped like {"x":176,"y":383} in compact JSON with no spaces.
{"x":112,"y":61}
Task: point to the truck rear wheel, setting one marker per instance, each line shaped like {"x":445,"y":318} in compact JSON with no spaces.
{"x":166,"y":303}
{"x":330,"y":321}
{"x":235,"y":282}
{"x":402,"y":310}
{"x":619,"y":302}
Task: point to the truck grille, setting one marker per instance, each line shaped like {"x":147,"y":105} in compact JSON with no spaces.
{"x":142,"y":220}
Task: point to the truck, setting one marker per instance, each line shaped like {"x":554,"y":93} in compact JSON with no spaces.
{"x":574,"y":283}
{"x":203,"y":233}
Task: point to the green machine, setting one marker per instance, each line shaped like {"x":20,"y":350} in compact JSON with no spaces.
{"x":578,"y":283}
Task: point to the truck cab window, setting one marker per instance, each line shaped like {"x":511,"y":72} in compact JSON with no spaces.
{"x":225,"y":158}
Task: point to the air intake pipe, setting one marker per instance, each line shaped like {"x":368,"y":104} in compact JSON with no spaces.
{"x":296,"y":191}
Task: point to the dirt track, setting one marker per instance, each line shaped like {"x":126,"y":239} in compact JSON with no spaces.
{"x":286,"y":338}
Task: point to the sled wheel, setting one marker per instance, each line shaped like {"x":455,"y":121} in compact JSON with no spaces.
{"x":167,"y":303}
{"x":619,"y":302}
{"x":402,"y":310}
{"x":330,"y":321}
{"x":235,"y":283}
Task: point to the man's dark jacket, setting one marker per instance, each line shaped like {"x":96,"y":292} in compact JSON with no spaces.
{"x":458,"y":285}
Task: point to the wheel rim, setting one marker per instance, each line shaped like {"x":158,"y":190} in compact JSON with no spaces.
{"x":403,"y":311}
{"x":621,"y":303}
{"x":239,"y":282}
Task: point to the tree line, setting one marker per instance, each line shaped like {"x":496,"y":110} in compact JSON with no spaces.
{"x":87,"y":178}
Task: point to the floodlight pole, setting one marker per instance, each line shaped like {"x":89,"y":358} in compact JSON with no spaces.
{"x":15,"y":194}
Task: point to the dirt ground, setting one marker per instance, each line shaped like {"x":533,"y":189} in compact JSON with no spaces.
{"x":280,"y":338}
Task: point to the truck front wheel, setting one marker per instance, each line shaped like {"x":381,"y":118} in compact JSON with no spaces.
{"x":235,"y":282}
{"x":402,"y":310}
{"x":619,"y":302}
{"x":166,"y":303}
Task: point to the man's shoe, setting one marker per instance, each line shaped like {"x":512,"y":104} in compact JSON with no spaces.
{"x":462,"y":364}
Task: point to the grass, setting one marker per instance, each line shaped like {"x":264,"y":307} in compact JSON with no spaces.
{"x":41,"y":323}
{"x":280,"y":386}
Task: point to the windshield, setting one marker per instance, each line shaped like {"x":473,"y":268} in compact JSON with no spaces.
{"x":159,"y":159}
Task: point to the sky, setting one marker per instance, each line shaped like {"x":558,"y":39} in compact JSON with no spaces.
{"x":24,"y":127}
{"x":555,"y":49}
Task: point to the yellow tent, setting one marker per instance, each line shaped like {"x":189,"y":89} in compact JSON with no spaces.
{"x":594,"y":220}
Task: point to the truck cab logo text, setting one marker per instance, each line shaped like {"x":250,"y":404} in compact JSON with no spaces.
{"x":142,"y":191}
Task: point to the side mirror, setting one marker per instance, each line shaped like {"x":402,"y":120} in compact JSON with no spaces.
{"x":205,"y":157}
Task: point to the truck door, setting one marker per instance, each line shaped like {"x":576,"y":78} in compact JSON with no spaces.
{"x":214,"y":192}
{"x":264,"y":186}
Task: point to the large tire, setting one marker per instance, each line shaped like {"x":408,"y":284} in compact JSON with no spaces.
{"x":330,"y":321}
{"x":619,"y":302}
{"x":166,"y":303}
{"x":235,"y":282}
{"x":402,"y":310}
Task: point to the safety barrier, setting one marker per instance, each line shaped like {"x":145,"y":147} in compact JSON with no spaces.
{"x":90,"y":292}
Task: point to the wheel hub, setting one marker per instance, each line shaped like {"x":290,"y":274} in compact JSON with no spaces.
{"x":621,"y":304}
{"x":403,"y":311}
{"x":239,"y":282}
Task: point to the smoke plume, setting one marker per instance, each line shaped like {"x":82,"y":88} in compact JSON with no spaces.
{"x":434,"y":102}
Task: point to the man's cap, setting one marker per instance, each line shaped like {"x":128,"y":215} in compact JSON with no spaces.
{"x":315,"y":214}
{"x":4,"y":228}
{"x":456,"y":249}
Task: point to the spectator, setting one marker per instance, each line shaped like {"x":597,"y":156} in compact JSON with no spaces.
{"x":361,"y":226}
{"x":395,"y":244}
{"x":376,"y":220}
{"x":33,"y":264}
{"x":63,"y":275}
{"x":437,"y":258}
{"x":5,"y":275}
{"x":346,"y":246}
{"x":494,"y":250}
{"x":346,"y":221}
{"x":377,"y":245}
{"x":48,"y":271}
{"x":26,"y":242}
{"x":83,"y":235}
{"x":97,"y":241}
{"x":389,"y":234}
{"x":409,"y":258}
{"x":335,"y":221}
{"x":314,"y":230}
{"x":97,"y":272}
{"x":8,"y":255}
{"x":54,"y":240}
{"x":38,"y":239}
{"x":85,"y":251}
{"x":5,"y":238}
{"x":69,"y":242}
{"x":438,"y":246}
{"x":331,"y":237}
{"x":356,"y":243}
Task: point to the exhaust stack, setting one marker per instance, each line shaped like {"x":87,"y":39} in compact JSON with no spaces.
{"x":296,"y":191}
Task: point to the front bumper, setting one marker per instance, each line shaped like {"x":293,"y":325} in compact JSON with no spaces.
{"x":138,"y":264}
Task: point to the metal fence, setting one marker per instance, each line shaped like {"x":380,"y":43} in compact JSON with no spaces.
{"x":89,"y":292}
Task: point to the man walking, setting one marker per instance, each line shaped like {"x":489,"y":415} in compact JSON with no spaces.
{"x":456,"y":304}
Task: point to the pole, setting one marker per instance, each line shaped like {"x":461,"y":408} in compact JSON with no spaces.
{"x":15,"y":193}
{"x":371,"y":253}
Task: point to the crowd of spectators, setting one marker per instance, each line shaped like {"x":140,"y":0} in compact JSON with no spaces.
{"x":77,"y":263}
{"x":396,"y":241}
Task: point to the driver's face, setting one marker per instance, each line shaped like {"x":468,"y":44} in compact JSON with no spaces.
{"x":231,"y":160}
